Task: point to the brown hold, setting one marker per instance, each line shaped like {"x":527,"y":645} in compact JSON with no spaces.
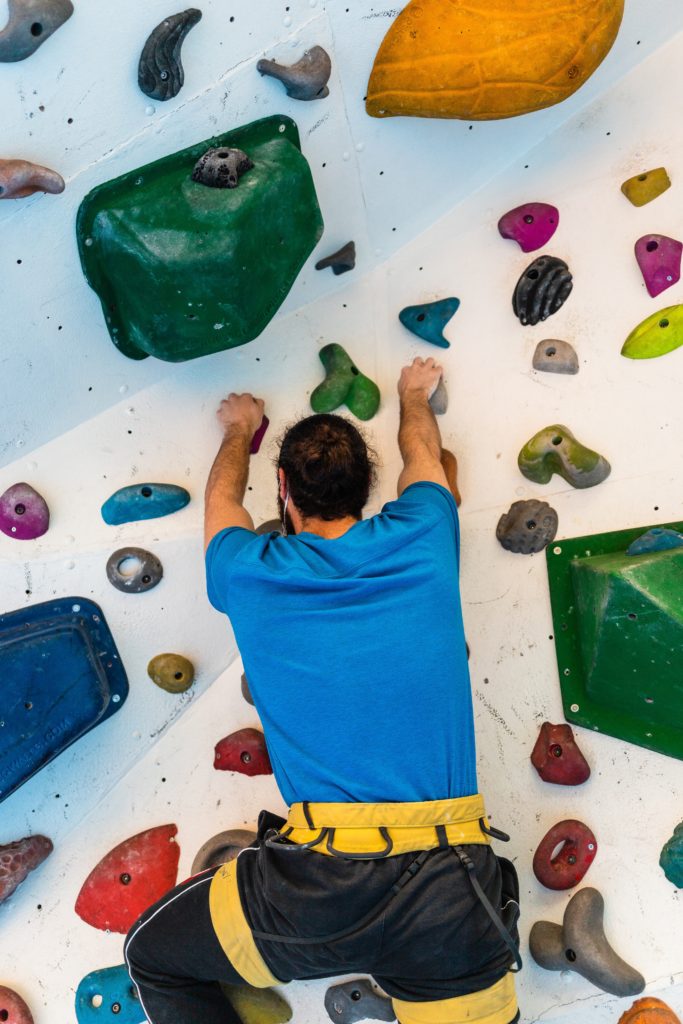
{"x":18,"y":859}
{"x":221,"y":849}
{"x":246,"y":692}
{"x":13,"y":1009}
{"x":557,"y":758}
{"x":450,"y":468}
{"x":649,"y":1011}
{"x":20,"y":178}
{"x":171,"y":672}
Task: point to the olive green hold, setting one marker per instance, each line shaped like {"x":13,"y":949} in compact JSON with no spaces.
{"x":658,"y":334}
{"x":643,"y":188}
{"x":257,"y":1005}
{"x":344,"y":384}
{"x":172,"y":672}
{"x":555,"y":450}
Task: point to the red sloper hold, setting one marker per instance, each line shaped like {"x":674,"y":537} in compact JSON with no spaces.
{"x":129,"y":879}
{"x":557,"y":758}
{"x":578,"y":849}
{"x":243,"y":751}
{"x":13,"y":1009}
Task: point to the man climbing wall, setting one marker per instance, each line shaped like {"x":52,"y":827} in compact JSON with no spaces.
{"x":352,"y":639}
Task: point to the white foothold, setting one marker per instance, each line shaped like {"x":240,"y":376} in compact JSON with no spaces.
{"x":346,"y":156}
{"x":69,"y":565}
{"x":123,"y":390}
{"x":149,"y":110}
{"x":287,"y":20}
{"x":360,"y":146}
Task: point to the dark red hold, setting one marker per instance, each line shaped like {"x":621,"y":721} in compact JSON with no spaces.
{"x":258,"y":436}
{"x":18,"y":859}
{"x":557,"y":758}
{"x":577,"y":849}
{"x":243,"y":751}
{"x":13,"y":1009}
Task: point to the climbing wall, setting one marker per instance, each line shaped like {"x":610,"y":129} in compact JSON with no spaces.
{"x":421,"y":199}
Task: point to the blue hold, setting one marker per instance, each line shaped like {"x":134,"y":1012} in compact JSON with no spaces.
{"x":657,"y":539}
{"x":429,"y":320}
{"x":108,"y":995}
{"x":143,"y":501}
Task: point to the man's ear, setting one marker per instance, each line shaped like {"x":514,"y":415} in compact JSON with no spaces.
{"x":282,"y":480}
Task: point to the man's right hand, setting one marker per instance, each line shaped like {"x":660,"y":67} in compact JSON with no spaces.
{"x":421,"y":377}
{"x":241,"y":411}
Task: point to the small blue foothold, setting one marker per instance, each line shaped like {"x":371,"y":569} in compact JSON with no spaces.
{"x":429,"y":319}
{"x":143,"y":501}
{"x":108,"y":995}
{"x":657,"y":539}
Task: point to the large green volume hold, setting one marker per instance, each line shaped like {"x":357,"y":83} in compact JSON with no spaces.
{"x":183,"y":269}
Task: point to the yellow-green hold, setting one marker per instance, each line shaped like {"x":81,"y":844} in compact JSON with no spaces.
{"x":643,"y":188}
{"x":171,"y":672}
{"x":658,"y":334}
{"x":257,"y":1005}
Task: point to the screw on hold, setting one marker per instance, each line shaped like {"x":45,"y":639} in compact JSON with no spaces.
{"x":125,"y":878}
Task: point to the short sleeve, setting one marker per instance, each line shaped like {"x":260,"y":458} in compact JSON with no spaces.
{"x":220,"y":556}
{"x":429,"y":495}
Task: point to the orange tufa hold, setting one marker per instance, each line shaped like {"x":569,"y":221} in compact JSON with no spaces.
{"x":480,"y":60}
{"x":649,"y":1011}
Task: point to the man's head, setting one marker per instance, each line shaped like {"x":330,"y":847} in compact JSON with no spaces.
{"x":326,"y":469}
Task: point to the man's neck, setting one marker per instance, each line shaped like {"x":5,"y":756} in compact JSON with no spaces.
{"x":330,"y":529}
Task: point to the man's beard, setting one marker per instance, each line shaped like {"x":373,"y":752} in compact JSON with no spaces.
{"x":285,"y":518}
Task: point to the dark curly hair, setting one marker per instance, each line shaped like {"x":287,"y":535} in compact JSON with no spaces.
{"x":329,"y":467}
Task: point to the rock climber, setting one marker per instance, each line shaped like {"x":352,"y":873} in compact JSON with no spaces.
{"x":351,"y":636}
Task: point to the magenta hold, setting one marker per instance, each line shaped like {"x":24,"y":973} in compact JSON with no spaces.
{"x":577,"y":849}
{"x":24,"y":514}
{"x":557,"y":758}
{"x":530,"y":225}
{"x":659,"y":259}
{"x":258,"y":436}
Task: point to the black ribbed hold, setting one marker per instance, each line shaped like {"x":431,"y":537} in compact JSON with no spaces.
{"x":160,"y":71}
{"x":542,"y":289}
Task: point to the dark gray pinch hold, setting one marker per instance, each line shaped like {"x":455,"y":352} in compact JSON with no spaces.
{"x":160,"y":71}
{"x":146,"y":576}
{"x":30,"y":23}
{"x":542,"y":289}
{"x":357,"y":1000}
{"x":270,"y":526}
{"x":340,"y":261}
{"x":439,"y":400}
{"x":552,"y":356}
{"x":246,"y":692}
{"x":221,"y":167}
{"x":528,"y":526}
{"x":305,"y":80}
{"x":221,"y":849}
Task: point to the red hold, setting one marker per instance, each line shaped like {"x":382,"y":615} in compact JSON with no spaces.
{"x":129,"y":879}
{"x":258,"y":436}
{"x":557,"y":758}
{"x":17,"y":860}
{"x":13,"y":1009}
{"x":578,"y":847}
{"x":243,"y":751}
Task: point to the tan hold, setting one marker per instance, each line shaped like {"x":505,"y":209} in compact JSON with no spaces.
{"x":649,"y":1011}
{"x":172,"y":672}
{"x":20,"y":178}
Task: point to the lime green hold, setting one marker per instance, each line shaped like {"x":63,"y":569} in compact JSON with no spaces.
{"x":658,"y":334}
{"x":183,"y":269}
{"x":344,"y":384}
{"x":257,"y":1005}
{"x":555,"y":450}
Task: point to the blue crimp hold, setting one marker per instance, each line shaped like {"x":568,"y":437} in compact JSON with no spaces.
{"x":656,"y":539}
{"x":143,"y":501}
{"x":428,"y":320}
{"x":114,"y":993}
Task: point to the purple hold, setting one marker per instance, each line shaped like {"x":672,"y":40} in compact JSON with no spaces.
{"x":659,"y":259}
{"x":258,"y":436}
{"x":24,"y":514}
{"x":530,"y":225}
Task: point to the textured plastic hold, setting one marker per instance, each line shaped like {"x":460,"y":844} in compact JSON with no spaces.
{"x":657,"y":335}
{"x":246,"y":692}
{"x":341,"y":261}
{"x":449,"y":464}
{"x":160,"y":71}
{"x":671,"y":857}
{"x":221,"y":848}
{"x":24,"y":514}
{"x":132,"y":876}
{"x":344,"y":384}
{"x":171,"y":672}
{"x":439,"y":400}
{"x":305,"y":80}
{"x":428,"y":320}
{"x":257,"y":1005}
{"x":186,"y":300}
{"x":257,"y":439}
{"x":565,"y":868}
{"x":557,"y":758}
{"x":108,"y":995}
{"x":31,"y":23}
{"x":527,"y":527}
{"x":530,"y":225}
{"x":580,"y":945}
{"x":271,"y":526}
{"x":659,"y":259}
{"x":134,"y":570}
{"x":13,"y":1009}
{"x":143,"y":501}
{"x":221,"y":167}
{"x":480,"y":61}
{"x":649,"y":1011}
{"x":18,"y":859}
{"x":553,"y":356}
{"x":357,"y":1000}
{"x":61,"y":676}
{"x":243,"y":751}
{"x":643,"y":188}
{"x":20,"y":178}
{"x":541,"y":290}
{"x":656,"y":539}
{"x":555,"y":450}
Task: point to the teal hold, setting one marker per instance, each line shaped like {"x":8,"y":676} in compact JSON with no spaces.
{"x":656,"y":539}
{"x":143,"y":501}
{"x":428,"y":320}
{"x":671,"y":858}
{"x":114,"y":995}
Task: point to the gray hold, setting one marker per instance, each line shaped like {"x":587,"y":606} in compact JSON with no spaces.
{"x":145,"y":572}
{"x":341,"y":261}
{"x":221,"y":849}
{"x":439,"y":400}
{"x":271,"y":526}
{"x":357,"y":1000}
{"x":246,"y":692}
{"x":528,"y":527}
{"x":580,"y":945}
{"x":305,"y":80}
{"x":553,"y":356}
{"x":160,"y":71}
{"x":30,"y":23}
{"x":542,"y":289}
{"x":221,"y":167}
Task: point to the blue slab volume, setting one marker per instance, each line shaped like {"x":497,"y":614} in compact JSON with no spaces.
{"x":428,"y":320}
{"x":114,"y":995}
{"x":143,"y":501}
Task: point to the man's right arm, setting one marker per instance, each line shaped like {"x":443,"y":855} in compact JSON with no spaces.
{"x":419,"y":438}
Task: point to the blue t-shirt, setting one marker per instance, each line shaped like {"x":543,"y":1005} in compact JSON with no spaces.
{"x":355,"y":652}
